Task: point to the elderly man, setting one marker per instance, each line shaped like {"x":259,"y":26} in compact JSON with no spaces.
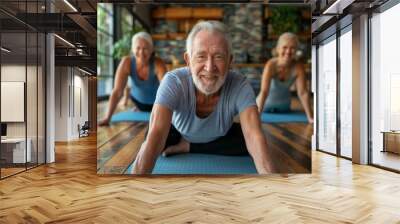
{"x":201,"y":101}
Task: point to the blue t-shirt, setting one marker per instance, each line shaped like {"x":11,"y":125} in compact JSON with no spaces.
{"x":177,"y":92}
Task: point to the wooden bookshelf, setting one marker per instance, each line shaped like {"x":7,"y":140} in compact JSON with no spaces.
{"x":185,"y":18}
{"x":169,"y":36}
{"x":178,"y":13}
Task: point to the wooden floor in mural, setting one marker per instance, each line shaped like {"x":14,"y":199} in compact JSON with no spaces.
{"x":118,"y":144}
{"x":289,"y":143}
{"x":70,"y":191}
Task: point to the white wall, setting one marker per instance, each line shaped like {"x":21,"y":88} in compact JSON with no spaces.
{"x":50,"y":95}
{"x":14,"y":73}
{"x":61,"y":103}
{"x":81,"y":83}
{"x":71,"y":94}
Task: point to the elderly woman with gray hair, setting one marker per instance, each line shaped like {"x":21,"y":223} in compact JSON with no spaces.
{"x":146,"y":72}
{"x":279,"y":74}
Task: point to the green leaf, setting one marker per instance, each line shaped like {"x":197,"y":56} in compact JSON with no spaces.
{"x":285,"y":19}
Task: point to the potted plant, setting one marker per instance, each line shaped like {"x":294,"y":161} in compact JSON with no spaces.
{"x":285,"y":19}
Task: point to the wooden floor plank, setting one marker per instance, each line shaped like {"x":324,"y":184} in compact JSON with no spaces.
{"x":105,"y":134}
{"x":294,"y":141}
{"x":108,"y":150}
{"x":125,"y":156}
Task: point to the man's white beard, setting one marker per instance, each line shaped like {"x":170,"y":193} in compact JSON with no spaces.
{"x":208,"y":90}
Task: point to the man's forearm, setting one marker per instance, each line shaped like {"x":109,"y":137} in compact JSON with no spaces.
{"x":261,"y":156}
{"x":143,"y":164}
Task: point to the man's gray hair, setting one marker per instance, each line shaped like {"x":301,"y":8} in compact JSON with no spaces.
{"x":141,"y":35}
{"x":211,"y":26}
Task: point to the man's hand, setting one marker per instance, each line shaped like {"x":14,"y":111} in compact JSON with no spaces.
{"x":160,"y":123}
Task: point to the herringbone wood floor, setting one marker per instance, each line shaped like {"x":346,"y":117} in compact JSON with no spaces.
{"x":70,"y":191}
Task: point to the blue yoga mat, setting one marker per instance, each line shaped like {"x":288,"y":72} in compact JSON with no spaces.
{"x":294,"y":116}
{"x":194,"y":163}
{"x":130,"y":116}
{"x":265,"y":117}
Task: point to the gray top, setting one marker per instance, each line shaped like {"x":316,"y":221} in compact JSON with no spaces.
{"x":177,"y":92}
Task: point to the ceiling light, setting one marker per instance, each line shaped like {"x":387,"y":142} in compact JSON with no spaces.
{"x":338,"y":6}
{"x":5,"y":49}
{"x":65,"y":41}
{"x":332,"y":7}
{"x":79,"y":51}
{"x":70,"y":5}
{"x":84,"y":71}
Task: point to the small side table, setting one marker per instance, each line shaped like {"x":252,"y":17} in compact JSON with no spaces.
{"x":391,"y":141}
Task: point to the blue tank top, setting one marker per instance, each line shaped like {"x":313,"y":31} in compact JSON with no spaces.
{"x":144,"y":91}
{"x":279,"y":97}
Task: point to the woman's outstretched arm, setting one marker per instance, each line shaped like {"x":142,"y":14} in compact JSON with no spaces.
{"x":265,"y":85}
{"x":121,"y":77}
{"x":302,"y":91}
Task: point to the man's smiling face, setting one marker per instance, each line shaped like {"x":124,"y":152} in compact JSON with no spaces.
{"x":209,"y":61}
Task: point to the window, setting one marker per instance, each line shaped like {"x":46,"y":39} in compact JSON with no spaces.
{"x":105,"y":68}
{"x":126,"y":21}
{"x":22,"y":76}
{"x":327,"y":95}
{"x":346,"y":92}
{"x":385,"y":87}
